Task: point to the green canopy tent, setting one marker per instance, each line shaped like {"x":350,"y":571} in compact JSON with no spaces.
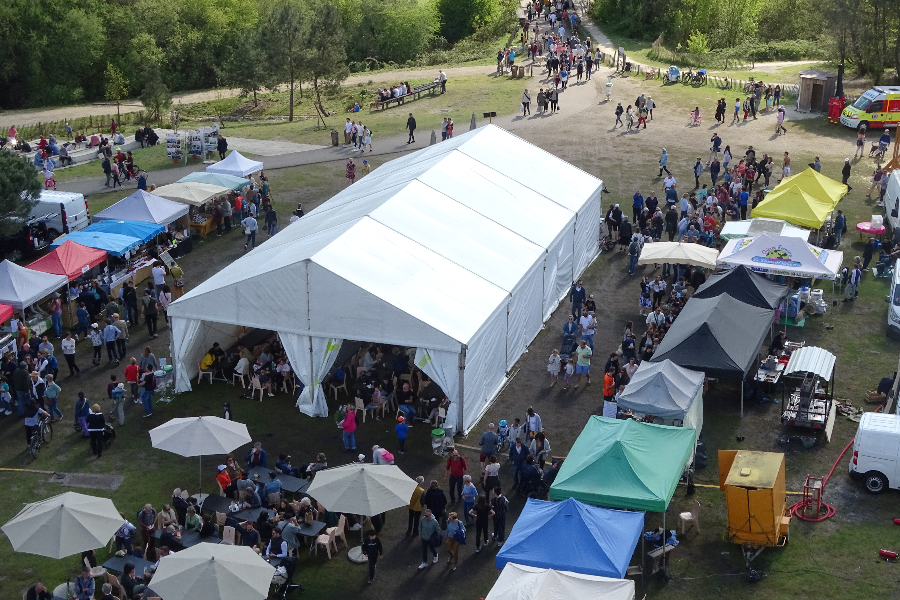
{"x":624,"y":464}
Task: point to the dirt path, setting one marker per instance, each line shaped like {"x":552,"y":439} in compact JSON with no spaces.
{"x":31,"y":117}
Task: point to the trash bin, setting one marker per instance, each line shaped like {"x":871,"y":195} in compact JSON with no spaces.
{"x":334,"y":137}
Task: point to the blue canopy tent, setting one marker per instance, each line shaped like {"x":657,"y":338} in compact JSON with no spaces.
{"x":229,"y":181}
{"x":115,"y":244}
{"x":136,"y":229}
{"x":571,"y":536}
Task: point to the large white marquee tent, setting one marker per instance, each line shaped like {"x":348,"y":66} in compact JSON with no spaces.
{"x":462,"y":250}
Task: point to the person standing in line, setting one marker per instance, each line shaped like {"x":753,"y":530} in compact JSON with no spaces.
{"x":455,"y":471}
{"x":415,"y":507}
{"x":122,"y":326}
{"x":526,"y":103}
{"x":148,"y":383}
{"x":577,"y":297}
{"x":96,"y":423}
{"x":481,"y":513}
{"x":663,"y":161}
{"x":68,"y":349}
{"x":411,"y":125}
{"x":499,"y":506}
{"x":372,"y":550}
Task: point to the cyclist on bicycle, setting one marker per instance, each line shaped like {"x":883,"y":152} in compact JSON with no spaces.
{"x":33,"y":416}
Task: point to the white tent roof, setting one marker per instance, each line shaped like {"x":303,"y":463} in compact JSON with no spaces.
{"x":235,"y":164}
{"x":759,"y":225}
{"x":520,"y":582}
{"x":21,"y":287}
{"x":191,"y":192}
{"x":434,"y":239}
{"x":146,"y":207}
{"x":685,"y":253}
{"x":781,"y":255}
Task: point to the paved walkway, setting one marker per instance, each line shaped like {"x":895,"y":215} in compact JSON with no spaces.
{"x":577,"y":97}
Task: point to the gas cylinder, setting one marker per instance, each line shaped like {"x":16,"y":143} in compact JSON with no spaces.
{"x":888,"y":554}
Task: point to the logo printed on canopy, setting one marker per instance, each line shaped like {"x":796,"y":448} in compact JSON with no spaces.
{"x":777,"y":255}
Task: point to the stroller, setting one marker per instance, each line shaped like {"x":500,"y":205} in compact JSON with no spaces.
{"x":109,"y":434}
{"x":568,"y":346}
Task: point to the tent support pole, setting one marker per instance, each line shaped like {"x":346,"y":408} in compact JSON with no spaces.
{"x":461,"y":420}
{"x":742,"y":399}
{"x":643,"y":561}
{"x":312,"y":376}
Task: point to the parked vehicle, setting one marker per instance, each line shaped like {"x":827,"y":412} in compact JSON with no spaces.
{"x":34,"y":236}
{"x":672,"y":75}
{"x":878,"y":107}
{"x":876,"y":452}
{"x":893,"y":318}
{"x":70,"y":211}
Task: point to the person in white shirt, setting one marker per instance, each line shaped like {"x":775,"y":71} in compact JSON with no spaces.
{"x":159,"y":277}
{"x":669,"y":182}
{"x":68,"y":348}
{"x":442,"y":77}
{"x":656,"y":318}
{"x":348,"y":126}
{"x":587,"y":323}
{"x":277,"y":547}
{"x":658,"y":287}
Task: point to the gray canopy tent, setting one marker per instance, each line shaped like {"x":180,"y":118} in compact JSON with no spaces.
{"x":743,"y":284}
{"x":719,"y":336}
{"x":665,"y":390}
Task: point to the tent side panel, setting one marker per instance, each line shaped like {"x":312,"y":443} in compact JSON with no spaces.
{"x":485,"y":368}
{"x":694,"y":416}
{"x":564,"y":254}
{"x":191,"y":338}
{"x":587,"y":232}
{"x":525,"y":315}
{"x":443,"y":368}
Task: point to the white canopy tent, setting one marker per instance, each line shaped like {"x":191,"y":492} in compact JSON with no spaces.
{"x":235,"y":164}
{"x":462,"y":250}
{"x":760,"y":225}
{"x":683,"y":253}
{"x":781,"y":255}
{"x":21,"y":287}
{"x":665,"y":390}
{"x":195,"y":194}
{"x":144,"y":206}
{"x":521,"y":582}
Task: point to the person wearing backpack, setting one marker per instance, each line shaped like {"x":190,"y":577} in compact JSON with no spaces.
{"x":148,"y":386}
{"x":381,"y":456}
{"x":634,"y":252}
{"x":150,"y":310}
{"x":456,"y":536}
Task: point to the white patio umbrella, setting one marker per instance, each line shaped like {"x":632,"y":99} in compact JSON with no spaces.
{"x":219,"y":571}
{"x":680,"y":253}
{"x":362,"y":489}
{"x":63,"y":525}
{"x":199,"y":436}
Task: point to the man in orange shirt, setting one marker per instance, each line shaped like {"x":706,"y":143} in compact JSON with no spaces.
{"x":238,"y":213}
{"x":132,"y":374}
{"x":609,"y":384}
{"x":223,"y":479}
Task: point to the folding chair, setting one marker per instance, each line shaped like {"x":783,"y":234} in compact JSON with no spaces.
{"x":204,"y":373}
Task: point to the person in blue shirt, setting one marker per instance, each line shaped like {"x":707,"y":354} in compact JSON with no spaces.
{"x":742,"y":200}
{"x":884,"y":141}
{"x":273,"y":485}
{"x":663,"y":161}
{"x":570,"y":327}
{"x":401,"y":429}
{"x":637,"y":206}
{"x":840,"y":223}
{"x":84,"y":585}
{"x":82,"y":314}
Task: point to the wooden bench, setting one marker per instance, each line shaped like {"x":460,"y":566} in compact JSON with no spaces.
{"x":414,"y":94}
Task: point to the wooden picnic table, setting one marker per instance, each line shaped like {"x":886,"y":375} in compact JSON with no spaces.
{"x":413,"y":94}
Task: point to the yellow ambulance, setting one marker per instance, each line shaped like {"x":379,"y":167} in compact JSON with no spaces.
{"x":877,"y":107}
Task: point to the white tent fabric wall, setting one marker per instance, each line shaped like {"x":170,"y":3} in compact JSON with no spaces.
{"x":442,"y":368}
{"x":191,"y":338}
{"x":448,"y":249}
{"x":311,"y":358}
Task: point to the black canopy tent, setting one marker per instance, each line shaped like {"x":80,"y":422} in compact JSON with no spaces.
{"x":719,"y":336}
{"x":746,"y":286}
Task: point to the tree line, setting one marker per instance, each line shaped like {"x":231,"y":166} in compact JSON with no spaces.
{"x":61,"y":52}
{"x":865,"y":34}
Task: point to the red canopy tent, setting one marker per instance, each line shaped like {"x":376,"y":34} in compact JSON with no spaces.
{"x":70,"y":259}
{"x":6,"y":312}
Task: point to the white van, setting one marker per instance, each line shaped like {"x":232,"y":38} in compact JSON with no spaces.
{"x":893,"y":318}
{"x":876,"y":452}
{"x":70,"y":211}
{"x":892,"y":200}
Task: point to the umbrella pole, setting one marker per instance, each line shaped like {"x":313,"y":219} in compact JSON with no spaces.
{"x":742,"y":399}
{"x":200,"y":478}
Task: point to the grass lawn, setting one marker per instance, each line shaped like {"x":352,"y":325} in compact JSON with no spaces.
{"x":465,"y":95}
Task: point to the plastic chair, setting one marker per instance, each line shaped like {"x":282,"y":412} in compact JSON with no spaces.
{"x":340,"y":531}
{"x":220,"y":518}
{"x":114,"y":582}
{"x":204,"y":373}
{"x":255,"y":385}
{"x":242,"y":376}
{"x":327,"y":540}
{"x":274,"y":498}
{"x":361,"y":406}
{"x":690,"y":517}
{"x":95,"y":571}
{"x":334,"y":387}
{"x":227,"y":535}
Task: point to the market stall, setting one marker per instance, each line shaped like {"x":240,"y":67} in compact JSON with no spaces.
{"x":521,"y":582}
{"x":572,"y":536}
{"x":666,"y":391}
{"x":229,"y":181}
{"x":780,"y":255}
{"x":752,"y":227}
{"x":141,"y":230}
{"x":744,"y":285}
{"x":196,"y":195}
{"x":639,"y":464}
{"x":20,"y":287}
{"x":678,"y":253}
{"x":70,"y":259}
{"x":114,"y":244}
{"x":235,"y":164}
{"x":146,"y":207}
{"x":796,"y":206}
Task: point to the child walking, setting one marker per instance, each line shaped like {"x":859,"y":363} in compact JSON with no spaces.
{"x":553,"y":366}
{"x":372,"y":549}
{"x":570,"y":370}
{"x":401,"y":429}
{"x":351,"y":171}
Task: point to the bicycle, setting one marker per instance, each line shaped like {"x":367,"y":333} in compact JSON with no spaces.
{"x":687,"y":76}
{"x":42,"y":436}
{"x":748,"y":87}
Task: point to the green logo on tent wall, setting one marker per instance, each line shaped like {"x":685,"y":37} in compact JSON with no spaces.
{"x":777,"y":256}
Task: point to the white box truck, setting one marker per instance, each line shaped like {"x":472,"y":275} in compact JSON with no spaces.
{"x":876,"y":452}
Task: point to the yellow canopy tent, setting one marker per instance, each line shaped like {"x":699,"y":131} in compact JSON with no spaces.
{"x":815,"y":184}
{"x":794,"y":205}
